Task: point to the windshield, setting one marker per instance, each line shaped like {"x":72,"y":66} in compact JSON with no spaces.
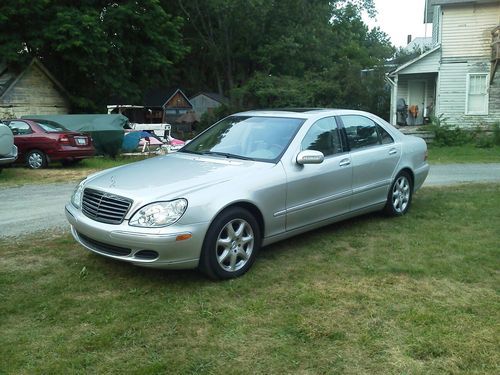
{"x":244,"y":137}
{"x":51,"y":126}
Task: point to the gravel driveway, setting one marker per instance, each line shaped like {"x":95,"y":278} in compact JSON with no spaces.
{"x":34,"y":208}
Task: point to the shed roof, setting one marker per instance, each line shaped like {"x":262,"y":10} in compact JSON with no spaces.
{"x":158,"y":97}
{"x":213,"y":95}
{"x":9,"y":77}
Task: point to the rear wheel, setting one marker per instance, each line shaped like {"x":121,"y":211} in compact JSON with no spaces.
{"x":36,"y":159}
{"x":231,"y":244}
{"x":400,"y":195}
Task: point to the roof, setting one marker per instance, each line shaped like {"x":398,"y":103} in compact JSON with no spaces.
{"x":214,"y":96}
{"x":159,"y":96}
{"x":6,"y":78}
{"x":422,"y":56}
{"x":418,"y":43}
{"x":9,"y":77}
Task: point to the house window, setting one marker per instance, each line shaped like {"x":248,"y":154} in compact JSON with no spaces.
{"x":477,"y":94}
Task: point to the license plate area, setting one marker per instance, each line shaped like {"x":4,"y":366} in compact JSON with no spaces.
{"x":81,"y":141}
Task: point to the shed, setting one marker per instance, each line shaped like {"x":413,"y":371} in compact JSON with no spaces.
{"x":32,"y":90}
{"x":206,"y":101}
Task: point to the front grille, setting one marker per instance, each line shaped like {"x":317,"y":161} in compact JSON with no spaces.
{"x":103,"y":247}
{"x":104,"y":207}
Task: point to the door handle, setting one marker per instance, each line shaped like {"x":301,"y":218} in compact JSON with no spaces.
{"x":344,"y":162}
{"x":393,"y":151}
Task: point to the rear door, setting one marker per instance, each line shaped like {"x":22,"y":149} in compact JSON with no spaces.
{"x":374,"y":157}
{"x":317,"y":192}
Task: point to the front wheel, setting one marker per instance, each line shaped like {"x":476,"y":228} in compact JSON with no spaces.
{"x":36,"y":159}
{"x":231,"y":244}
{"x":400,"y":195}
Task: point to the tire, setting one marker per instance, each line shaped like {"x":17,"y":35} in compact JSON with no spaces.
{"x":231,"y":244}
{"x":36,"y":159}
{"x":400,"y":195}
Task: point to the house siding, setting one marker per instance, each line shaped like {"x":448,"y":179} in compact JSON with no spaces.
{"x":466,"y":30}
{"x":453,"y":92}
{"x":34,"y":94}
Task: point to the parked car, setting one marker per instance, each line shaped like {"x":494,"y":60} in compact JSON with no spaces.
{"x":40,"y":142}
{"x":8,"y":151}
{"x":251,"y":179}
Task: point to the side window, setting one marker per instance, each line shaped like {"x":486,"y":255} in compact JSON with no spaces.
{"x":385,"y":137}
{"x":20,"y":127}
{"x":323,"y":136}
{"x":361,"y":131}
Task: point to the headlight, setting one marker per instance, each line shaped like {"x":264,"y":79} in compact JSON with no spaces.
{"x":159,"y":214}
{"x":76,"y":198}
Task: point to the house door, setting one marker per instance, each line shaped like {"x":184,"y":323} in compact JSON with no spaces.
{"x":416,"y":97}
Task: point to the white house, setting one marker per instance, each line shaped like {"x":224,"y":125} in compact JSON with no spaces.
{"x":457,"y":78}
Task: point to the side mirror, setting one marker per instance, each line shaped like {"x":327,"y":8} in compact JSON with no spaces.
{"x":310,"y":157}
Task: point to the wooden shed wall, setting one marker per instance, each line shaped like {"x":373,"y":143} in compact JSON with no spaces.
{"x":178,"y":101}
{"x":34,"y":94}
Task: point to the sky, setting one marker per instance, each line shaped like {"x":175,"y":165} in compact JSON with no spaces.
{"x":400,"y":18}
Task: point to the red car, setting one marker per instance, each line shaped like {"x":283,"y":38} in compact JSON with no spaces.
{"x":40,"y":142}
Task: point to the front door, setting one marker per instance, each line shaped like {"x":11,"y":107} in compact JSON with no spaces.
{"x":317,"y":192}
{"x":416,"y":102}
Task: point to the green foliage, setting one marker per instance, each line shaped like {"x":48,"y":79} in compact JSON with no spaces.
{"x":95,"y":48}
{"x":496,"y":133}
{"x":293,"y":53}
{"x":211,"y":117}
{"x":260,"y":53}
{"x":447,"y":135}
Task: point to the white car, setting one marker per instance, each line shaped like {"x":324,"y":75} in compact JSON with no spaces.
{"x":251,"y":179}
{"x":8,"y":151}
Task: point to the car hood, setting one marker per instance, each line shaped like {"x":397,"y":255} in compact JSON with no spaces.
{"x":171,"y":176}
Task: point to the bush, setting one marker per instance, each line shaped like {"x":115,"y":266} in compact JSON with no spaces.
{"x":211,"y":117}
{"x":496,"y":133}
{"x":447,"y":135}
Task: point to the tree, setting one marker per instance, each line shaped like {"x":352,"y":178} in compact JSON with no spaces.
{"x":97,"y":49}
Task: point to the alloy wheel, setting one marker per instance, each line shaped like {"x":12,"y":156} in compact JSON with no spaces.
{"x":401,"y":194}
{"x":235,"y":244}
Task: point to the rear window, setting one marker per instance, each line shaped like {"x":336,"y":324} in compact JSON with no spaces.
{"x":51,"y":127}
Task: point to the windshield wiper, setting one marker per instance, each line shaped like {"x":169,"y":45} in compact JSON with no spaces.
{"x":226,"y":154}
{"x":190,"y":152}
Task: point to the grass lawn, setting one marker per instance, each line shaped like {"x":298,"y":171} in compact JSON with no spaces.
{"x":411,"y":295}
{"x":55,"y":173}
{"x":464,"y":154}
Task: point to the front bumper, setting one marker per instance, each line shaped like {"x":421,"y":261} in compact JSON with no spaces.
{"x":146,"y":247}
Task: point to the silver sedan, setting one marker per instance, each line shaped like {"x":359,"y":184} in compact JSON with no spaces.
{"x":251,"y":179}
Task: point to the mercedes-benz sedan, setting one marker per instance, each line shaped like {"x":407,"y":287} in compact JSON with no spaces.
{"x":251,"y":179}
